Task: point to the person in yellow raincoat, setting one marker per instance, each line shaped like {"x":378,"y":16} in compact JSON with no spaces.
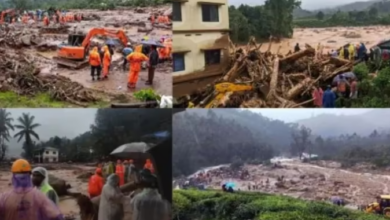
{"x":135,"y":59}
{"x":106,"y":62}
{"x":341,"y":53}
{"x":351,"y":51}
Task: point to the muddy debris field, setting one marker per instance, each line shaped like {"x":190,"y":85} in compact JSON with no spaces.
{"x":27,"y":66}
{"x":277,"y":81}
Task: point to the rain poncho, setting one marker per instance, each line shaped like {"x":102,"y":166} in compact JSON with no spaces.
{"x":111,"y":200}
{"x":45,"y":187}
{"x":329,"y":99}
{"x":351,"y":51}
{"x":24,"y":202}
{"x":149,"y":205}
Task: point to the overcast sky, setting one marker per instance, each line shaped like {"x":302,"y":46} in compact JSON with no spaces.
{"x":292,"y":115}
{"x":306,"y":4}
{"x":58,"y":122}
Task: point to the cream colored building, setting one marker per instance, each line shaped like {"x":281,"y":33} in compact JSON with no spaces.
{"x":200,"y":34}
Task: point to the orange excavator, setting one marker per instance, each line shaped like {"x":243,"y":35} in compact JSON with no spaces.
{"x":4,"y":13}
{"x":74,"y":53}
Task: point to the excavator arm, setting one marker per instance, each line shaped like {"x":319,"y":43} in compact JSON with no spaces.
{"x":67,"y":55}
{"x":4,"y":13}
{"x":220,"y":92}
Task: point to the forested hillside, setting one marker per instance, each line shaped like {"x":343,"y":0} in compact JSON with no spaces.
{"x":206,"y":138}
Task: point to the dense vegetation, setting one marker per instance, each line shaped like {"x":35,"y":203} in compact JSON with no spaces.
{"x":76,"y":4}
{"x":112,"y":128}
{"x":208,"y":138}
{"x":377,"y":14}
{"x":214,"y":205}
{"x":273,"y":18}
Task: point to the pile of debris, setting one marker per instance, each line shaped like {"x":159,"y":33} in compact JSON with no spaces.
{"x":276,"y":81}
{"x":19,"y":74}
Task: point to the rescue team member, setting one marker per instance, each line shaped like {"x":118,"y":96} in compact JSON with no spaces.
{"x":23,"y":201}
{"x":126,"y":52}
{"x":106,"y":62}
{"x":120,"y":171}
{"x":148,"y":165}
{"x":40,"y":179}
{"x":135,"y":59}
{"x":95,"y":184}
{"x":46,"y":21}
{"x":95,"y":62}
{"x":153,"y":62}
{"x":112,"y":200}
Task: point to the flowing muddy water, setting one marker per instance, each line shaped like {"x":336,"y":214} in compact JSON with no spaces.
{"x":117,"y":83}
{"x":331,"y":38}
{"x":309,"y":181}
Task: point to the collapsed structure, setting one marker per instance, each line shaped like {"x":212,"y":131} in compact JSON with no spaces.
{"x":256,"y":79}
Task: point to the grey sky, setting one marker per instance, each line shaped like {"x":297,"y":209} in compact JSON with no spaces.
{"x":306,"y":4}
{"x":58,"y":122}
{"x":291,"y":115}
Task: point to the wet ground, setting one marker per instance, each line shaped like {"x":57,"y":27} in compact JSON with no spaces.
{"x":313,"y":182}
{"x":117,"y":82}
{"x":331,"y":38}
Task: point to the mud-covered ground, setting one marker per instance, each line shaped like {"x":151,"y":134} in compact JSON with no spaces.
{"x":114,"y":19}
{"x":358,"y":186}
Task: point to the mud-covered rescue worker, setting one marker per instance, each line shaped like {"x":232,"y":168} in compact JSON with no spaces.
{"x":120,"y":171}
{"x":126,"y":52}
{"x":297,"y":48}
{"x":153,"y":62}
{"x":46,"y":21}
{"x":95,"y":184}
{"x":106,"y":62}
{"x":95,"y":62}
{"x":135,"y":59}
{"x":148,"y":165}
{"x":23,"y":201}
{"x":40,"y":179}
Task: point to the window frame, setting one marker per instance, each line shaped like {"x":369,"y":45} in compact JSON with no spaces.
{"x":181,"y":11}
{"x":184,"y":61}
{"x":210,"y":6}
{"x":210,"y":51}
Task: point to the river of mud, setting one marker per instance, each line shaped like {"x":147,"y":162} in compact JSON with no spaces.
{"x":307,"y":181}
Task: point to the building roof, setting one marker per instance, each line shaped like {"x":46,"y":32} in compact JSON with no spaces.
{"x":46,"y":148}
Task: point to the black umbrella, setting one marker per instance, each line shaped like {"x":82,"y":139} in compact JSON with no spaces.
{"x":152,"y":43}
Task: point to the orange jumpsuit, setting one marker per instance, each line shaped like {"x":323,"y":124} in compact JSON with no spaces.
{"x":94,"y":57}
{"x":120,"y":171}
{"x":149,"y":165}
{"x":95,"y":184}
{"x":135,"y":59}
{"x":106,"y":61}
{"x":46,"y":21}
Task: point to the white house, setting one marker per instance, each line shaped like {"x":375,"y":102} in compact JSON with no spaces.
{"x":46,"y":155}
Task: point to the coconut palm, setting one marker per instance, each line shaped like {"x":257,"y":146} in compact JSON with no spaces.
{"x":26,"y":131}
{"x":5,"y":127}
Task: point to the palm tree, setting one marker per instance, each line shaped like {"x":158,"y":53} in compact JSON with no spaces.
{"x":26,"y":128}
{"x":5,"y":127}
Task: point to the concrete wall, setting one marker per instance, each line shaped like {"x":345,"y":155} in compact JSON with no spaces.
{"x":192,"y":37}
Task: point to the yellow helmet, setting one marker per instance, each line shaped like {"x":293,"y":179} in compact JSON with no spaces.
{"x":21,"y":166}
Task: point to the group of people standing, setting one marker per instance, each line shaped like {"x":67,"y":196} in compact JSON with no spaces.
{"x":100,"y":59}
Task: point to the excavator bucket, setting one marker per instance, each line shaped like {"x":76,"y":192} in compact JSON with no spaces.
{"x":161,"y":156}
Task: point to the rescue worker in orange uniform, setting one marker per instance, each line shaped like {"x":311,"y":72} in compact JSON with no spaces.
{"x":106,"y":62}
{"x":120,"y":171}
{"x":95,"y":184}
{"x":46,"y":21}
{"x":148,"y":165}
{"x":95,"y":62}
{"x":135,"y":59}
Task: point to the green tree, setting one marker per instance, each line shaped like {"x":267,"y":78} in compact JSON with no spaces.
{"x":26,"y":128}
{"x":281,"y":13}
{"x":5,"y":127}
{"x":373,"y":12}
{"x":320,"y":15}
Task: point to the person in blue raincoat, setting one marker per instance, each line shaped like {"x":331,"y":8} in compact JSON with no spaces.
{"x":329,"y":98}
{"x":362,"y":51}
